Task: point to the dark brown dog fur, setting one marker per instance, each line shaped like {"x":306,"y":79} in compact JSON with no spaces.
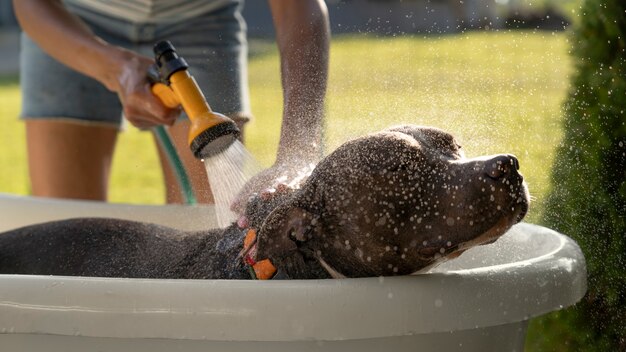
{"x":389,"y":203}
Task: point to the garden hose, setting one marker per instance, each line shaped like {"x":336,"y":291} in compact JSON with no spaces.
{"x":178,"y":168}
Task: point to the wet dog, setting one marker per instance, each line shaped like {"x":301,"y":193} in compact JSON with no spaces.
{"x":390,"y":203}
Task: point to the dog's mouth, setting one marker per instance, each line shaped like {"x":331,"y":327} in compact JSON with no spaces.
{"x":519,"y":208}
{"x":522,"y":213}
{"x":521,"y":204}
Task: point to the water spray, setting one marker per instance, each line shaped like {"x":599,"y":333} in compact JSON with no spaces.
{"x":212,"y":136}
{"x":210,"y":133}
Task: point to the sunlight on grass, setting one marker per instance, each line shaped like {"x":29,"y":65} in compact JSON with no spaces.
{"x":497,"y":92}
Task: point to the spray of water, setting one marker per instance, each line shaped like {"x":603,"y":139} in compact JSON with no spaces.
{"x":228,"y":172}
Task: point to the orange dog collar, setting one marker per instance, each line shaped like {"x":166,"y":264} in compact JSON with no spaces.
{"x":259,"y":270}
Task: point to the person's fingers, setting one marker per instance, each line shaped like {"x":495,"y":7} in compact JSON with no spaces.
{"x":144,"y":110}
{"x":267,"y":194}
{"x":139,"y":118}
{"x":266,"y":183}
{"x":238,"y":204}
{"x":241,"y":199}
{"x":243,"y":222}
{"x":282,"y":188}
{"x":155,"y":108}
{"x":141,"y":107}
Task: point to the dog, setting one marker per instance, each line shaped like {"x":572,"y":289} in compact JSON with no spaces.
{"x":395,"y":202}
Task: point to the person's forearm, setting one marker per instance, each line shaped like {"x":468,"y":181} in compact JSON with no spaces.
{"x":303,"y":36}
{"x":66,"y":38}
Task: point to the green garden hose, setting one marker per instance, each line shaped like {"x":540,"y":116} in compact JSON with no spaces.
{"x":177,"y":165}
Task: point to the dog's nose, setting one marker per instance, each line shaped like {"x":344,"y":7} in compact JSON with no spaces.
{"x":501,"y":166}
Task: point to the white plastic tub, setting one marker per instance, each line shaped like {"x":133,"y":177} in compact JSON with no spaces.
{"x":478,"y":302}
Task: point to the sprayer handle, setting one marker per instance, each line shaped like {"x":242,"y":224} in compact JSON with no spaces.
{"x":165,"y":94}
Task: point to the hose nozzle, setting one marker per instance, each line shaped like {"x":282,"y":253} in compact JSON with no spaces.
{"x":210,"y":133}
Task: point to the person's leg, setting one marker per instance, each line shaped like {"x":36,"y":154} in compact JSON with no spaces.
{"x":69,"y":160}
{"x":72,"y":123}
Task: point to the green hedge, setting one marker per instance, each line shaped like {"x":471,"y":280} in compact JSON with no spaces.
{"x":588,"y":196}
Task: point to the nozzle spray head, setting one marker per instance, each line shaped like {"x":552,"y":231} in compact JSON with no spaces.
{"x":210,"y":133}
{"x":213,"y":140}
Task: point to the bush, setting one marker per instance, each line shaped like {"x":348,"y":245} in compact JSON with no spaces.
{"x":588,"y":197}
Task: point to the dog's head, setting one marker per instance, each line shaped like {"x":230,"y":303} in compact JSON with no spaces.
{"x":393,"y":203}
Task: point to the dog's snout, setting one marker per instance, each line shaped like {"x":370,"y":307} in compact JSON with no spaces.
{"x":501,"y":166}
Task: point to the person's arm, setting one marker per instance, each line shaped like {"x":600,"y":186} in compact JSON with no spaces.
{"x":70,"y":41}
{"x":303,"y":37}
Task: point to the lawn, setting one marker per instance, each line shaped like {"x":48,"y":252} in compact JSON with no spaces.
{"x":497,"y":92}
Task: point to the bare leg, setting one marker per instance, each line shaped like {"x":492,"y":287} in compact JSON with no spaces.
{"x":69,"y":160}
{"x":194,"y":167}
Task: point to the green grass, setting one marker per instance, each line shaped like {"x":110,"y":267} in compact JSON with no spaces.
{"x":497,"y":92}
{"x":13,"y":166}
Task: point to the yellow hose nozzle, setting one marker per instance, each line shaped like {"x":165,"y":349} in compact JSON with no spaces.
{"x":210,"y":133}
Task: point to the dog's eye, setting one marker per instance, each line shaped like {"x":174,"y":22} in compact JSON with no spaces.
{"x":397,"y":167}
{"x":454,"y":147}
{"x":459,"y":151}
{"x":300,"y":236}
{"x":451,"y":150}
{"x":402,"y":167}
{"x":447,"y":142}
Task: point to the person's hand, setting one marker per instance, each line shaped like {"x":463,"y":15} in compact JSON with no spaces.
{"x":276,"y":178}
{"x":141,"y":107}
{"x":266,"y":196}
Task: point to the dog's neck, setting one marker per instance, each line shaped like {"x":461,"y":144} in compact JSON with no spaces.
{"x":264,"y":269}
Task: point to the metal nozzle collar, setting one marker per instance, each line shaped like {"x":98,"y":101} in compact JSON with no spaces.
{"x":167,"y":60}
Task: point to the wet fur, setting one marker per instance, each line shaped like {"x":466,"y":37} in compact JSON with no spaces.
{"x":390,"y":203}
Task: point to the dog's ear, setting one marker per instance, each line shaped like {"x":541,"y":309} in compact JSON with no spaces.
{"x":285,"y":238}
{"x":285,"y":230}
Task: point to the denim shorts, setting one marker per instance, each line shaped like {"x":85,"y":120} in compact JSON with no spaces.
{"x":213,"y":44}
